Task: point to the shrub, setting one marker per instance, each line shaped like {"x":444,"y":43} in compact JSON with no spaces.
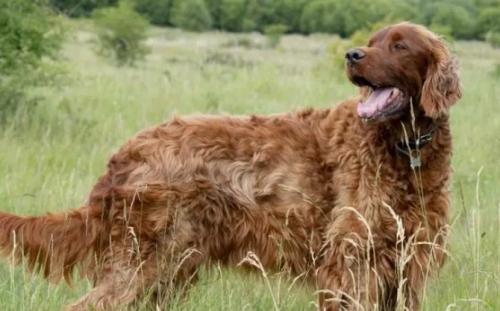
{"x":289,"y":12}
{"x":75,"y":8}
{"x":458,"y":20}
{"x":336,"y":52}
{"x":493,"y":38}
{"x":362,"y":14}
{"x":215,"y":9}
{"x":402,"y":11}
{"x":247,"y":15}
{"x":191,"y":15}
{"x":444,"y":31}
{"x":274,"y":34}
{"x":157,"y":11}
{"x":343,"y":17}
{"x":233,"y":16}
{"x":121,"y":34}
{"x":322,"y":16}
{"x":489,"y":20}
{"x":263,"y":13}
{"x":29,"y":33}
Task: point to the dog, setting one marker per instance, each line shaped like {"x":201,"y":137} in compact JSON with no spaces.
{"x":354,"y":199}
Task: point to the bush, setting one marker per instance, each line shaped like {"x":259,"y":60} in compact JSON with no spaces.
{"x":289,"y":12}
{"x":29,"y":33}
{"x":493,"y":38}
{"x":343,"y":17}
{"x":458,"y":20}
{"x":444,"y":31}
{"x":75,"y":8}
{"x":263,"y":13}
{"x":274,"y":34}
{"x":121,"y":34}
{"x":157,"y":11}
{"x":336,"y":51}
{"x":322,"y":16}
{"x":215,"y":9}
{"x":232,"y":16}
{"x":489,"y":20}
{"x":191,"y":15}
{"x":247,"y":15}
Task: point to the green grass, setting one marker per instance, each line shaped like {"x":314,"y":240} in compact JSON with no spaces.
{"x":51,"y":154}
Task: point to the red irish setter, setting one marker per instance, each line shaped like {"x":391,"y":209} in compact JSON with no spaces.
{"x":354,"y":199}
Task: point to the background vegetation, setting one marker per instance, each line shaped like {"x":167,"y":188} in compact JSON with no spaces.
{"x":463,"y":19}
{"x":29,"y":35}
{"x":121,"y":34}
{"x":56,"y":137}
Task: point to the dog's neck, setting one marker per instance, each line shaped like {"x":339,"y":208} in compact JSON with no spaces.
{"x":410,"y":137}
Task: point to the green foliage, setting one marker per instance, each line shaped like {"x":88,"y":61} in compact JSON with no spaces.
{"x":274,"y":34}
{"x":215,"y":8}
{"x":343,"y":17}
{"x":321,"y":16}
{"x":191,"y":15}
{"x":121,"y":34}
{"x":157,"y":11}
{"x":444,"y":31}
{"x":456,"y":18}
{"x":77,"y":8}
{"x":336,"y":53}
{"x":461,"y":19}
{"x":289,"y":12}
{"x":493,"y":38}
{"x":232,"y":16}
{"x":489,"y":20}
{"x":29,"y":33}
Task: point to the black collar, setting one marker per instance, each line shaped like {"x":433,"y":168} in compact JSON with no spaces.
{"x":410,"y":147}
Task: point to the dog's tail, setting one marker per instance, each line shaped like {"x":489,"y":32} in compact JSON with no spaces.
{"x":52,"y":244}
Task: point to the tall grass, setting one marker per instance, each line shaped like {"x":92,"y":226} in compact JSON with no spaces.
{"x":51,"y":156}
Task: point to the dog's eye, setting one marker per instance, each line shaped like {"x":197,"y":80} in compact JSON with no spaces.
{"x":399,"y":46}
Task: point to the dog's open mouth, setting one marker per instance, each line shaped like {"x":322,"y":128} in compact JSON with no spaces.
{"x":382,"y":102}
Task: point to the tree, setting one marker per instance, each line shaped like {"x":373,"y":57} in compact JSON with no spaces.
{"x":121,"y":33}
{"x":289,"y":12}
{"x":456,"y":18}
{"x":343,"y":17}
{"x":489,"y":20}
{"x":29,"y":33}
{"x":322,"y":16}
{"x":191,"y":15}
{"x":75,"y":8}
{"x":215,"y":8}
{"x":233,"y":16}
{"x":157,"y":11}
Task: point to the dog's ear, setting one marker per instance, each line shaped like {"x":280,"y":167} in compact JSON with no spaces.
{"x":441,"y":87}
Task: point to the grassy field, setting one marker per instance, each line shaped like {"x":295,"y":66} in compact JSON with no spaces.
{"x":51,"y":155}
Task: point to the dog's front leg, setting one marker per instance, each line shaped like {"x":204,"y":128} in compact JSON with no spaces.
{"x":348,"y":277}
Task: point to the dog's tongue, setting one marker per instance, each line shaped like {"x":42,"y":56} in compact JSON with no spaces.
{"x":376,"y":102}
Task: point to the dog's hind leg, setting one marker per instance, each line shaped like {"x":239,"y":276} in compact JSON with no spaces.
{"x":116,"y":289}
{"x":179,"y":257}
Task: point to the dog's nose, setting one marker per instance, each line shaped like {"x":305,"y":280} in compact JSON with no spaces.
{"x":354,"y":55}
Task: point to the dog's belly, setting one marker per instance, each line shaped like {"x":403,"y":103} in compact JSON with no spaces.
{"x":280,"y":236}
{"x":233,"y":210}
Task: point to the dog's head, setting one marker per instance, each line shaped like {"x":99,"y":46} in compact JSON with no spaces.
{"x":402,"y":63}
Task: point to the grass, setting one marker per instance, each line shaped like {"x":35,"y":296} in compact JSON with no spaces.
{"x":51,"y":154}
